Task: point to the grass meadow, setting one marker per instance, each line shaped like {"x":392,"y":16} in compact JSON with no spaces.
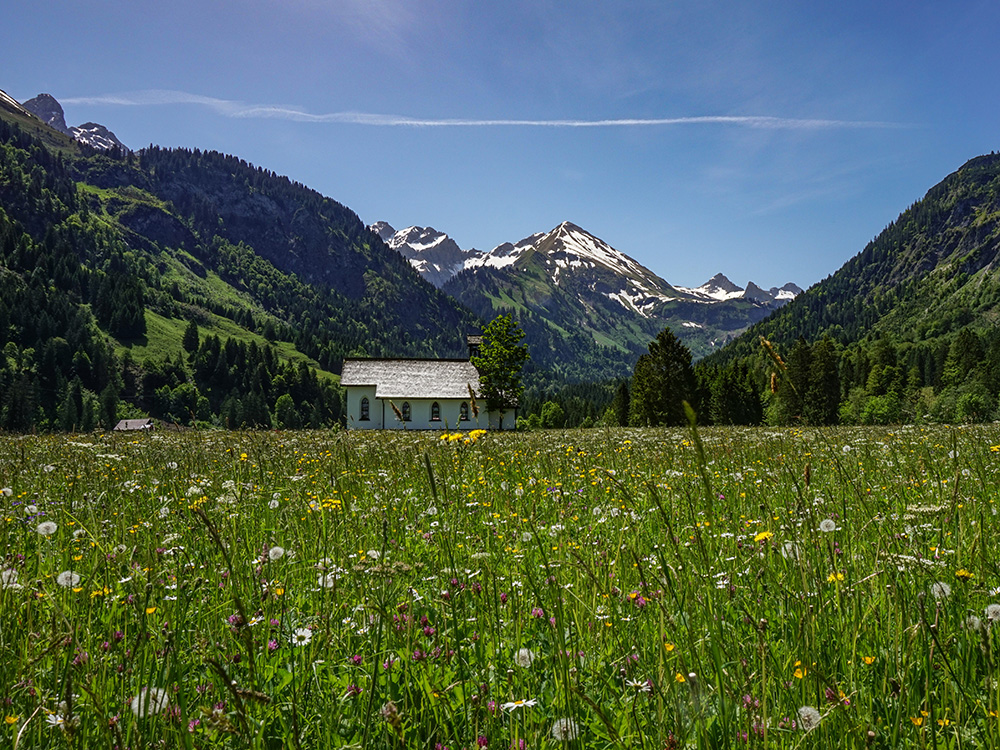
{"x":588,"y":589}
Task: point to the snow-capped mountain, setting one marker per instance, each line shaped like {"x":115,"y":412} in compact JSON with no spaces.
{"x":435,"y":255}
{"x":574,"y":283}
{"x":721,"y":288}
{"x":46,"y":108}
{"x":568,"y":250}
{"x":96,"y":136}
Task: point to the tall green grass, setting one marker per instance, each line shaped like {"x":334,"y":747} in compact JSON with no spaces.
{"x":627,"y":588}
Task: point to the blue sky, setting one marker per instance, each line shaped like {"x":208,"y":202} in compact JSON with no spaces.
{"x":766,"y":140}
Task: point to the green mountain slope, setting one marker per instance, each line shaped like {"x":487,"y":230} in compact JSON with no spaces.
{"x":906,"y":330}
{"x":931,"y":272}
{"x":189,"y":285}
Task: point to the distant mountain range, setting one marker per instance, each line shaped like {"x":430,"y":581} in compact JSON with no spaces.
{"x":573,"y":282}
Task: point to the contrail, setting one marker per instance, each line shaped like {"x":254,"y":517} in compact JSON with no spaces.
{"x":230,"y":108}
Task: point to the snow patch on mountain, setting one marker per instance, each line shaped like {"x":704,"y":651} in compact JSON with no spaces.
{"x":96,"y":136}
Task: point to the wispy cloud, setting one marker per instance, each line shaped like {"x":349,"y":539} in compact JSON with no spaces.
{"x":231,"y":108}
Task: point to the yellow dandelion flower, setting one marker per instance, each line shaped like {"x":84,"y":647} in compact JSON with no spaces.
{"x":669,"y":646}
{"x":680,"y":678}
{"x":963,"y":575}
{"x":150,"y":610}
{"x":869,"y":660}
{"x":762,"y":536}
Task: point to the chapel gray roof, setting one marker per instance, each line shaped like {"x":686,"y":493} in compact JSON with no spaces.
{"x":134,"y":424}
{"x":413,"y":378}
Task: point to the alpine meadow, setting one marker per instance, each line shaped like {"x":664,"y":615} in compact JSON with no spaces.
{"x":653,"y":516}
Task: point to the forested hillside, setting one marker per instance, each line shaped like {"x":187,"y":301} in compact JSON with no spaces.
{"x":191,"y":286}
{"x":904,"y":331}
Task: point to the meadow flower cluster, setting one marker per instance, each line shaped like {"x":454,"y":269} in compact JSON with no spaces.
{"x":616,"y":588}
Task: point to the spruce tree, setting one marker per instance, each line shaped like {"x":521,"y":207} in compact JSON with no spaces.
{"x":663,"y":380}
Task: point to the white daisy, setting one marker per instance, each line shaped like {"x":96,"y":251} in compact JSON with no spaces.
{"x":301,"y":636}
{"x":523,"y":703}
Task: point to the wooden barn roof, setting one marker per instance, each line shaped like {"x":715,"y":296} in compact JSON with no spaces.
{"x":413,"y":378}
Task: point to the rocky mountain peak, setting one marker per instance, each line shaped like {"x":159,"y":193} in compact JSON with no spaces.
{"x":435,"y":255}
{"x":46,"y":108}
{"x":383,"y":229}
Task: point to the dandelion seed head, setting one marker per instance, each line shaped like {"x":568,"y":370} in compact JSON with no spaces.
{"x":827,"y":525}
{"x":149,"y":701}
{"x":524,"y":657}
{"x":68,"y":579}
{"x":992,"y":612}
{"x":47,"y":528}
{"x":809,"y":718}
{"x":940,"y":590}
{"x":565,"y":730}
{"x":275,"y":553}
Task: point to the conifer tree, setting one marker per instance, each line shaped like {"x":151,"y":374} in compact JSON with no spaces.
{"x":662,"y":381}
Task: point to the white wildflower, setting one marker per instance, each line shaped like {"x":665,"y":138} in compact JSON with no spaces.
{"x":8,"y":579}
{"x":522,"y":703}
{"x":47,"y":528}
{"x":301,"y":636}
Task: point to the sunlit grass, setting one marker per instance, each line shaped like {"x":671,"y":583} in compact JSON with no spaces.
{"x":585,"y":589}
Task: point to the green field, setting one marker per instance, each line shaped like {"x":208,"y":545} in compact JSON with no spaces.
{"x":588,"y":589}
